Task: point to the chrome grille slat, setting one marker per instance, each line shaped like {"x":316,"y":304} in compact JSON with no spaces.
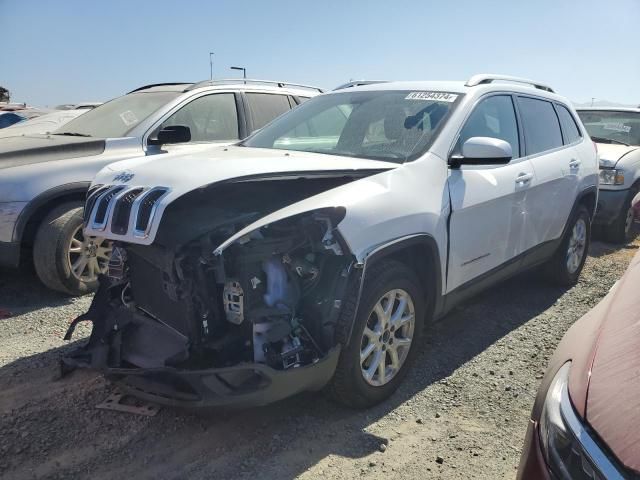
{"x":146,"y":209}
{"x":101,"y":210}
{"x":122,"y":210}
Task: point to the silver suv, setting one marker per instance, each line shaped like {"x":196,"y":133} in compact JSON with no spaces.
{"x":45,"y":177}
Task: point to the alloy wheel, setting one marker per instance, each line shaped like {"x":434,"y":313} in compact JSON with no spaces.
{"x":577,"y":245}
{"x":88,"y":256}
{"x":387,"y":337}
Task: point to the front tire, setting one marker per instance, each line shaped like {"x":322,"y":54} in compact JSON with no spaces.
{"x":565,"y":266}
{"x":64,"y":259}
{"x":387,"y":327}
{"x":622,"y":229}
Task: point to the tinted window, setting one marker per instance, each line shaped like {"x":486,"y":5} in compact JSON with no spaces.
{"x":494,"y":117}
{"x":8,"y":119}
{"x":264,"y":107}
{"x":569,"y":127}
{"x":541,"y":126}
{"x":210,"y":118}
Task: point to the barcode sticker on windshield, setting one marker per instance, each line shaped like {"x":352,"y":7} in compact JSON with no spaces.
{"x":433,"y":96}
{"x":129,"y":118}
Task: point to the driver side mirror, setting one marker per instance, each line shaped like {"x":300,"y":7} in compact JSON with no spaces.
{"x":172,"y":134}
{"x":482,"y":151}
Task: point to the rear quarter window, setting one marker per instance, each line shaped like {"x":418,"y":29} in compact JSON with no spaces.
{"x":570,"y":130}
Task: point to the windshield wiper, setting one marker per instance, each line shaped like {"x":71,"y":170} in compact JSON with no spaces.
{"x":608,"y":140}
{"x":72,"y":134}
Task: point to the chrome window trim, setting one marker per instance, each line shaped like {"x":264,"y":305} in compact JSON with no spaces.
{"x":590,"y":447}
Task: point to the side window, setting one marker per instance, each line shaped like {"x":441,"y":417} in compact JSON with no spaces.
{"x":264,"y":107}
{"x":210,"y":118}
{"x":568,"y":124}
{"x":493,"y":117}
{"x":540,"y":124}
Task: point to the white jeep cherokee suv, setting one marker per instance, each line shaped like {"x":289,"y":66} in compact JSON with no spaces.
{"x":311,"y":254}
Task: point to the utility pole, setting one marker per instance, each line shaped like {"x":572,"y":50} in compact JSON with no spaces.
{"x":211,"y":65}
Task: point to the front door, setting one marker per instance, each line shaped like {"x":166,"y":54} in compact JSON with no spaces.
{"x":488,"y":202}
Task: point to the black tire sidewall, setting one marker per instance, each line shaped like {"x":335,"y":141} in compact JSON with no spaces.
{"x":391,"y":276}
{"x":51,"y":250}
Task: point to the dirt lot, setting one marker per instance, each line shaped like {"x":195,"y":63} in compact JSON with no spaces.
{"x":467,"y":401}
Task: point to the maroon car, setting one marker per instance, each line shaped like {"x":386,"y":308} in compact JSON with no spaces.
{"x":585,"y":422}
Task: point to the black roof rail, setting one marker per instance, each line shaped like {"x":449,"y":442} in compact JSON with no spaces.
{"x":358,"y":83}
{"x":169,"y":84}
{"x":249,"y":81}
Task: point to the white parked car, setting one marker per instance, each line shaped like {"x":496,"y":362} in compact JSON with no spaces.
{"x":44,"y":124}
{"x":312,"y":253}
{"x":617,"y":133}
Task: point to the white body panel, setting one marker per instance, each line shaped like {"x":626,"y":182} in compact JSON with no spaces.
{"x":487,"y":224}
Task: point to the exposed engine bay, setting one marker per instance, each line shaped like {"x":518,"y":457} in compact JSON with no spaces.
{"x":271,"y":298}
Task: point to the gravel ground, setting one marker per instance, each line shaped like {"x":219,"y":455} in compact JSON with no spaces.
{"x":461,"y":413}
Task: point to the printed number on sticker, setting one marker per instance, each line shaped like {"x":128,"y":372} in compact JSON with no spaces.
{"x":435,"y":96}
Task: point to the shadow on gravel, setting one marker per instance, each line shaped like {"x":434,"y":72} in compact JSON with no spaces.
{"x":599,"y":249}
{"x":22,"y":292}
{"x":51,"y":428}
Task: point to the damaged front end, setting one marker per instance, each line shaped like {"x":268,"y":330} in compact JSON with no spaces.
{"x":182,"y":322}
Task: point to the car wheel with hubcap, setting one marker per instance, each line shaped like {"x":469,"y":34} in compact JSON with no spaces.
{"x":66,"y":260}
{"x":387,"y":327}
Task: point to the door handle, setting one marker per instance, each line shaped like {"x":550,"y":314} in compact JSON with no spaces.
{"x":524,"y":178}
{"x":575,"y":164}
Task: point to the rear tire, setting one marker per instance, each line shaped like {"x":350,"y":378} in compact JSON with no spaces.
{"x":566,"y":264}
{"x":351,"y":384}
{"x":622,"y":229}
{"x":58,"y":242}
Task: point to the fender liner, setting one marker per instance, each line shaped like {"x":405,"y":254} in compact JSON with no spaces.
{"x":434,"y":296}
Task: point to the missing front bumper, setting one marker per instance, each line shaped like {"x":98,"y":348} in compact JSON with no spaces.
{"x":244,"y":385}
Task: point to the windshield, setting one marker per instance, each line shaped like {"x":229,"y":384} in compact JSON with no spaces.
{"x":118,"y":117}
{"x":381,"y":125}
{"x":611,"y":126}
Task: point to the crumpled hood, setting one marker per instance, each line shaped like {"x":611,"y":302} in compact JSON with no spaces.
{"x":183,"y":172}
{"x":180,"y":174}
{"x":613,"y":395}
{"x":610,"y":153}
{"x":27,"y":150}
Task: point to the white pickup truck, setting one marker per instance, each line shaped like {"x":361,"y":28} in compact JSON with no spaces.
{"x":616,"y":131}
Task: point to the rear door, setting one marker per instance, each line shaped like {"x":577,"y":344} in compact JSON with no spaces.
{"x":488,"y":201}
{"x":556,"y":167}
{"x":264,"y":107}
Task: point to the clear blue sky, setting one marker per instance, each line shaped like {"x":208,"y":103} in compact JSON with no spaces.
{"x":80,"y":50}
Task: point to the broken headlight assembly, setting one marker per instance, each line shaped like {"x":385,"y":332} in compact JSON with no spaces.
{"x":567,"y":444}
